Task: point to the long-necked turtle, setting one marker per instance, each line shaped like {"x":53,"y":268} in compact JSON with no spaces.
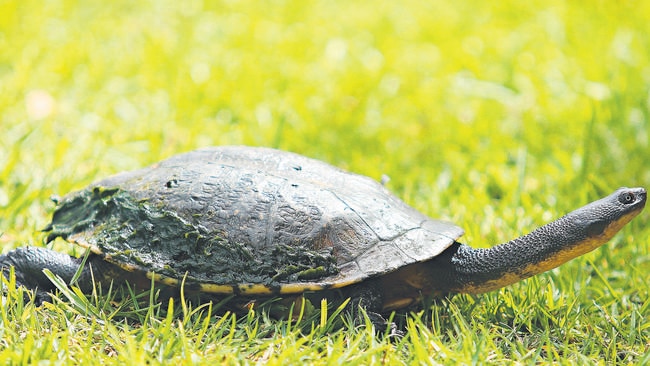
{"x":258,"y":222}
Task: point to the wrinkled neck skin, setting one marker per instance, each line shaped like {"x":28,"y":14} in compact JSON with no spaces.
{"x":482,"y":270}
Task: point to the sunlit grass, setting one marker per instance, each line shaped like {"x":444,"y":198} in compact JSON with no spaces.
{"x":498,"y":116}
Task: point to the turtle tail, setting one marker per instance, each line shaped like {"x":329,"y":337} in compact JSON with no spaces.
{"x":29,"y":263}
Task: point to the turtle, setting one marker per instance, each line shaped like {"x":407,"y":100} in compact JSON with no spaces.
{"x":256,"y":223}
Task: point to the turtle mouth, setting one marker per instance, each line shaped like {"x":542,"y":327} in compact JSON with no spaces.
{"x":642,"y":195}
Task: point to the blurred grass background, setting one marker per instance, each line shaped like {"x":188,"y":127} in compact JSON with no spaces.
{"x":498,"y":116}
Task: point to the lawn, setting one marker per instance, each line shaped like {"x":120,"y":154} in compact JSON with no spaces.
{"x":499,"y":116}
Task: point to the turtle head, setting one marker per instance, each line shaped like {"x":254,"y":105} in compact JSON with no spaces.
{"x":601,"y":219}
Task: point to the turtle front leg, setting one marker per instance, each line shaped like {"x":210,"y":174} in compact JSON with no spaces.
{"x":29,"y":262}
{"x":369,"y":296}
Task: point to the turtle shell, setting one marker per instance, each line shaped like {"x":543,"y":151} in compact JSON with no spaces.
{"x":249,"y":220}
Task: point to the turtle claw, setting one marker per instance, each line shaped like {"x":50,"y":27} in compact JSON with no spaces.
{"x":395,"y":333}
{"x":381,"y":324}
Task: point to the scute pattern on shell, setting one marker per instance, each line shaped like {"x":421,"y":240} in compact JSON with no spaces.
{"x":272,"y":209}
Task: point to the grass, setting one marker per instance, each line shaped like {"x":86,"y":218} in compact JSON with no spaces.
{"x":497,"y":116}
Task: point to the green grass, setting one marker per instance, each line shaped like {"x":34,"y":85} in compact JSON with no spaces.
{"x":498,"y":116}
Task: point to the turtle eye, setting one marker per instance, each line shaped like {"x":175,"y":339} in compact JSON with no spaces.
{"x":626,"y":198}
